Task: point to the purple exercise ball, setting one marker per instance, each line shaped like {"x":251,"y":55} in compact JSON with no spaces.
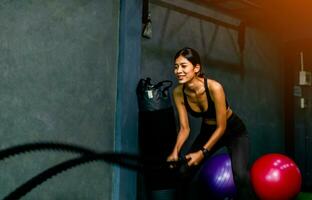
{"x":216,"y":174}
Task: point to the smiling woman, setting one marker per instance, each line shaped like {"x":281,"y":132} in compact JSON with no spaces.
{"x":205,"y":98}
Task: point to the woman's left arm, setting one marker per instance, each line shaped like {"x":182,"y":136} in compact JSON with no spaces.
{"x":218,"y":96}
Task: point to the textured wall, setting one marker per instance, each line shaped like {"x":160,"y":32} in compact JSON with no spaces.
{"x":58,"y":68}
{"x":253,"y":89}
{"x":126,"y":137}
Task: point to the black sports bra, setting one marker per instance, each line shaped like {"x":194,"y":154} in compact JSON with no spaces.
{"x":208,"y":114}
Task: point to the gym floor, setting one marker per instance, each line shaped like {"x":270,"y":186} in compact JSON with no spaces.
{"x":304,"y":196}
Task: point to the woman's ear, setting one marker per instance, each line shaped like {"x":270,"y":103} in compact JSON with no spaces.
{"x":197,"y":68}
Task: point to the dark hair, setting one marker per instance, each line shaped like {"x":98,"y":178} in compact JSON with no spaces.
{"x":191,"y":55}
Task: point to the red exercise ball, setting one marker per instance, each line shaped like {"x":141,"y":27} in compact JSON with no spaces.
{"x":275,"y":177}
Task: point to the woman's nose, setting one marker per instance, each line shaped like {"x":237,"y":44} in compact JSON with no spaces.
{"x":179,"y":69}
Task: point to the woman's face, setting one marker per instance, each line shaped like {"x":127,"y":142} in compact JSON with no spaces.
{"x":185,"y":70}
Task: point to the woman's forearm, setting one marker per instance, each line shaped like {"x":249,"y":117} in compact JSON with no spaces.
{"x":182,"y":137}
{"x":214,"y":138}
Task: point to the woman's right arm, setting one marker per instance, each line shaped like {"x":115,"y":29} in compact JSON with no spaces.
{"x":184,"y":129}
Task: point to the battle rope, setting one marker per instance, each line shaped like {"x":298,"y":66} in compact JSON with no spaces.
{"x":133,"y":162}
{"x":38,"y":146}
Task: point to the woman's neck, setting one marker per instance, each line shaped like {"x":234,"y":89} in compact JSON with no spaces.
{"x":195,"y":85}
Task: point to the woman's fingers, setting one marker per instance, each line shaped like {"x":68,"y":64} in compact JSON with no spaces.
{"x":193,"y":159}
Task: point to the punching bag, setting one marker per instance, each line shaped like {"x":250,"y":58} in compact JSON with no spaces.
{"x":157,"y":128}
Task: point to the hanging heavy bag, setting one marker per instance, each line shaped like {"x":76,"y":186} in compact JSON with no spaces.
{"x":157,"y":126}
{"x":152,"y":97}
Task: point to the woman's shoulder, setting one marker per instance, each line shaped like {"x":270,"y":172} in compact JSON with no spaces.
{"x":214,"y":85}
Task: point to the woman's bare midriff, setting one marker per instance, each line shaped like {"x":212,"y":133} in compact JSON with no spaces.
{"x":213,"y":121}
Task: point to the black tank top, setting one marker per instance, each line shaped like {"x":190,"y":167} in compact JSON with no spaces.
{"x":208,"y":114}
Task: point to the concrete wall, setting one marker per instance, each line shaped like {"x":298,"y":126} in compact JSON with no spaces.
{"x":58,"y":66}
{"x":126,"y":138}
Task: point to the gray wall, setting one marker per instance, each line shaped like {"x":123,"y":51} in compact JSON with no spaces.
{"x":127,"y":112}
{"x":253,"y":88}
{"x":58,"y":68}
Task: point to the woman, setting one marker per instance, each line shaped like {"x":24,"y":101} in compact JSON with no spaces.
{"x":205,"y":98}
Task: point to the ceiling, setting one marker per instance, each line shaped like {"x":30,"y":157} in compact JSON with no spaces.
{"x":243,"y":9}
{"x":291,"y":16}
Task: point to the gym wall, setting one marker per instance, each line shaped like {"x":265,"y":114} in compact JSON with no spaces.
{"x":58,"y":68}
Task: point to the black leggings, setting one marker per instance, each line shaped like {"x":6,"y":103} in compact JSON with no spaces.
{"x":235,"y":139}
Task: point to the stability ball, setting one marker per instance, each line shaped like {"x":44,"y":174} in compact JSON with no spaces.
{"x":275,"y":177}
{"x":216,"y":174}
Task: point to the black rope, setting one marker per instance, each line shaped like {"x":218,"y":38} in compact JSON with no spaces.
{"x":130,"y":161}
{"x":66,"y":165}
{"x":39,"y":146}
